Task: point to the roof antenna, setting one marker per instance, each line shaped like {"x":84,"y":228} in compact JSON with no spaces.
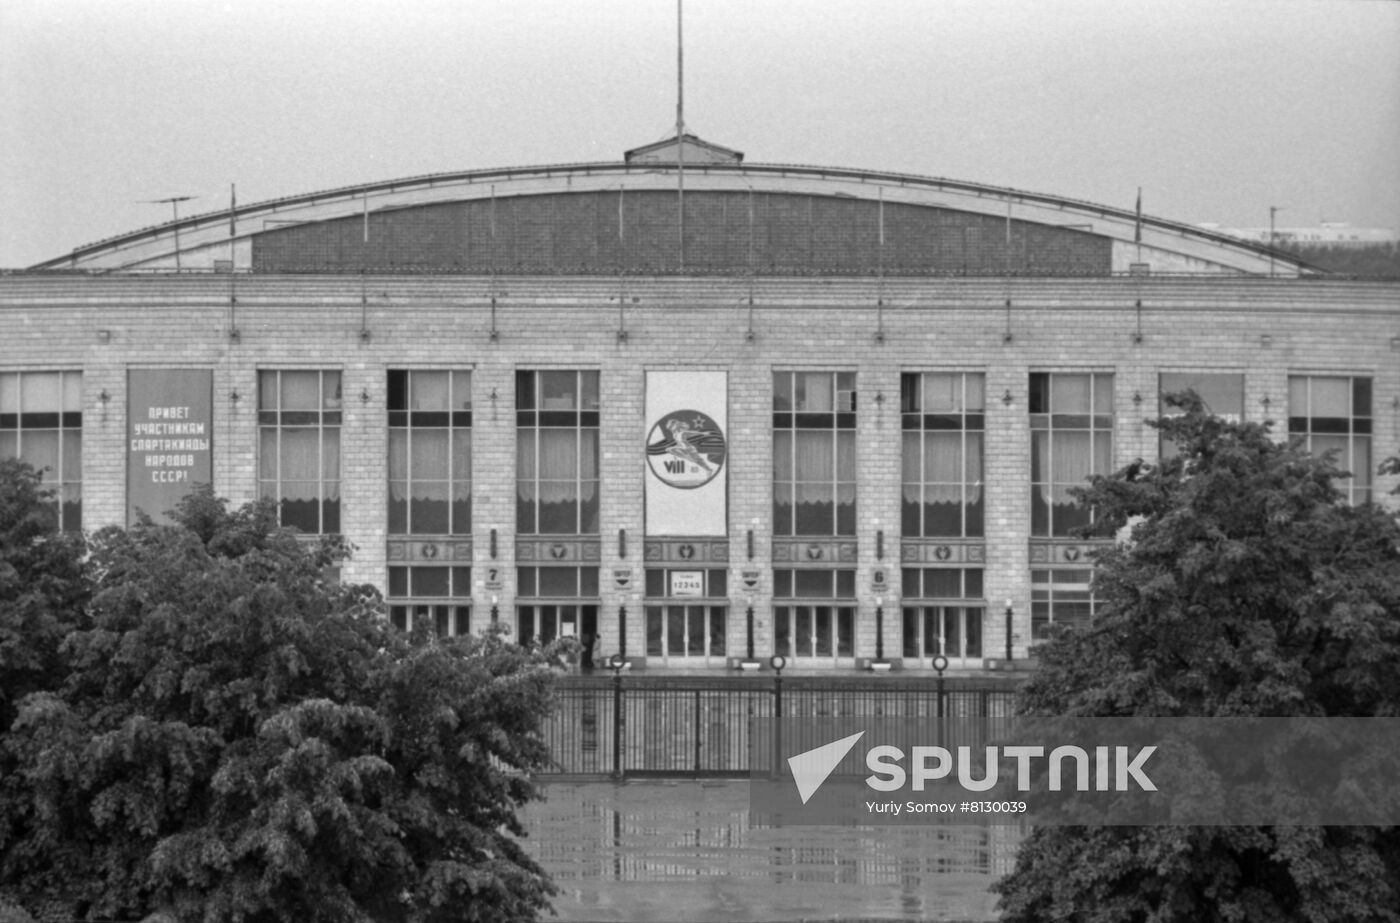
{"x":175,"y":206}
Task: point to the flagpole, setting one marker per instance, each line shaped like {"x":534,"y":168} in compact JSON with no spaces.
{"x":1137,"y":226}
{"x":680,"y":134}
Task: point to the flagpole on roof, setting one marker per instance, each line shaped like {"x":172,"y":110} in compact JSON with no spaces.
{"x":680,"y":134}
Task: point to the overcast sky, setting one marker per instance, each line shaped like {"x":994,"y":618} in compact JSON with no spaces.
{"x":1218,"y":109}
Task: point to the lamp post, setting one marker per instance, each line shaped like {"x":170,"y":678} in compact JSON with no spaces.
{"x":777,"y":662}
{"x":617,"y":663}
{"x":879,"y":628}
{"x":1008,"y":629}
{"x":940,"y":663}
{"x":748,"y":624}
{"x":622,"y":630}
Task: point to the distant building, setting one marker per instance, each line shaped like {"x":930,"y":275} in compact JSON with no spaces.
{"x":1335,"y":234}
{"x":832,"y":414}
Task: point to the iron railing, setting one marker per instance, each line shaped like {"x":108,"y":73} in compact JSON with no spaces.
{"x":640,"y":726}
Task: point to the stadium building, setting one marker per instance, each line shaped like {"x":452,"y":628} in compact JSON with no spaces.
{"x":694,"y":410}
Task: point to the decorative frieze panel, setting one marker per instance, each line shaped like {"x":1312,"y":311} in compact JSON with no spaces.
{"x":686,"y":550}
{"x":933,"y":551}
{"x":822,"y":551}
{"x":428,"y":551}
{"x":1063,"y":551}
{"x":560,"y":550}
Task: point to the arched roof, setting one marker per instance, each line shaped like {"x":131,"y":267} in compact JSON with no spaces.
{"x":623,"y":217}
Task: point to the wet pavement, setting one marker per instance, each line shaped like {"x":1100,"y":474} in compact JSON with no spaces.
{"x":684,"y":852}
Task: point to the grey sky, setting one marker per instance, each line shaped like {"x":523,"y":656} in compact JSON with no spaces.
{"x":1217,"y":108}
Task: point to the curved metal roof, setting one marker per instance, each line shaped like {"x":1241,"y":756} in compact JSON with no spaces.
{"x":208,"y":240}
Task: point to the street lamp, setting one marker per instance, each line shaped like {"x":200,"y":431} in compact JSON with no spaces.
{"x":879,"y":628}
{"x":617,"y":663}
{"x":940,"y":663}
{"x":1008,"y":629}
{"x":777,"y":662}
{"x":748,"y":623}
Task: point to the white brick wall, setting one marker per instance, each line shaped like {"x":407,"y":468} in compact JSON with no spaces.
{"x":929,"y":325}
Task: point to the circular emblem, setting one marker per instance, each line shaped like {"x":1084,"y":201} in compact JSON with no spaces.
{"x":686,"y":449}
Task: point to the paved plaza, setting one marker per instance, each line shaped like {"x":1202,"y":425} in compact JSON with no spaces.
{"x":684,"y":852}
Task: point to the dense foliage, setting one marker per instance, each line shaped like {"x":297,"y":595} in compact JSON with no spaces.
{"x":234,"y":736}
{"x":42,"y":590}
{"x":1246,"y":587}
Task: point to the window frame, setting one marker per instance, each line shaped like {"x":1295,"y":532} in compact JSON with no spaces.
{"x":455,"y":422}
{"x":65,"y":421}
{"x":920,"y":421}
{"x":793,"y":603}
{"x":325,"y":421}
{"x":798,"y":408}
{"x":1046,"y":423}
{"x":1356,"y":429}
{"x":537,"y":414}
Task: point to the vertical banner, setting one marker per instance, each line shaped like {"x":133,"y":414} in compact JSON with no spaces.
{"x":687,"y":448}
{"x":170,"y":431}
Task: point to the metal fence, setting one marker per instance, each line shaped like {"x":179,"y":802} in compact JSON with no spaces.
{"x":642,"y":726}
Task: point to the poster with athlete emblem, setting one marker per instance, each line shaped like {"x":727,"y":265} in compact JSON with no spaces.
{"x":687,"y":453}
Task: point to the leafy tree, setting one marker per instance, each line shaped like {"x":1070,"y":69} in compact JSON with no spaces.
{"x":239,"y":738}
{"x":42,"y":587}
{"x":1246,"y":587}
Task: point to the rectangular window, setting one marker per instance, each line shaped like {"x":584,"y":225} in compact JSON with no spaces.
{"x":1332,"y":413}
{"x":41,"y":423}
{"x":430,"y":453}
{"x":437,"y":599}
{"x":556,"y":453}
{"x":694,"y":633}
{"x":1059,"y":597}
{"x":299,"y":447}
{"x":1071,"y":438}
{"x":557,"y":602}
{"x":1222,"y":393}
{"x":935,"y":621}
{"x":814,"y":453}
{"x":814,"y":613}
{"x":691,"y":626}
{"x":942,"y":416}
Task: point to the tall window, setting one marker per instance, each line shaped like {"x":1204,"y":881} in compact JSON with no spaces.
{"x":557,"y":602}
{"x":942,"y":418}
{"x":41,"y":422}
{"x":1332,"y":413}
{"x":814,"y":453}
{"x":430,"y":453}
{"x":1222,"y":393}
{"x":556,"y":453}
{"x":814,"y":613}
{"x":299,"y":447}
{"x":943,"y":612}
{"x":435,"y":598}
{"x":1059,"y":597}
{"x":1071,"y":438}
{"x":686,"y":613}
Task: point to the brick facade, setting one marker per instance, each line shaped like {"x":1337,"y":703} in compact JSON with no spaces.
{"x":1263,"y":329}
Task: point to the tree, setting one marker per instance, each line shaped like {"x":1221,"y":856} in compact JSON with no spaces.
{"x":239,"y":737}
{"x":43,"y":588}
{"x":1245,"y":588}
